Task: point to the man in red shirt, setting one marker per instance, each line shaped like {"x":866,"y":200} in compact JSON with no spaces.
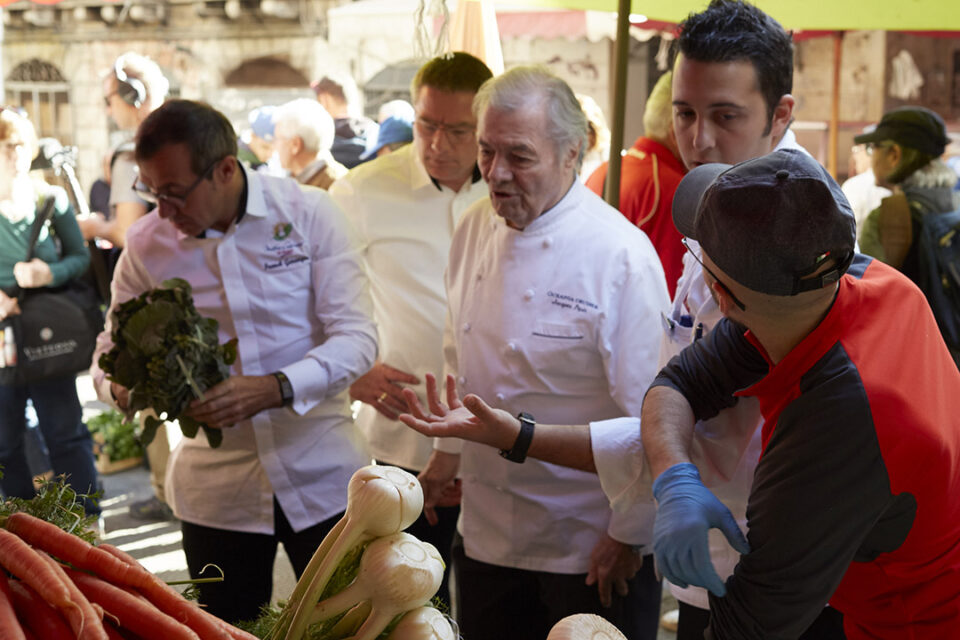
{"x":649,"y":175}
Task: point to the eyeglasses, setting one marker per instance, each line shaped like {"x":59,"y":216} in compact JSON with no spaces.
{"x":176,"y":200}
{"x":454,"y":134}
{"x":725,"y":288}
{"x":881,"y":146}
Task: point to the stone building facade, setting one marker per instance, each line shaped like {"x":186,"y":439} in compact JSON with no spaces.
{"x":53,"y":65}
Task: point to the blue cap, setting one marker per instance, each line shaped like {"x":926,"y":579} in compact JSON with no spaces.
{"x":261,"y":122}
{"x":393,"y":129}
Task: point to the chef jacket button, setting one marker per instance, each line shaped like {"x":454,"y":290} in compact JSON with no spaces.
{"x":528,"y":294}
{"x":461,"y":380}
{"x":466,"y":326}
{"x":500,"y":397}
{"x":547,"y":243}
{"x":512,"y":346}
{"x":479,"y":276}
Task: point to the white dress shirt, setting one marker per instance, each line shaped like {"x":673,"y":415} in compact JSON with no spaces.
{"x":286,"y":280}
{"x":561,"y":320}
{"x":404,"y":222}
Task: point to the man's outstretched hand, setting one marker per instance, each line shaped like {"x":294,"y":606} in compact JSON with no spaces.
{"x":471,"y":419}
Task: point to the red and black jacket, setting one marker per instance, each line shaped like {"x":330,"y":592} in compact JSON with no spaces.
{"x":856,"y":497}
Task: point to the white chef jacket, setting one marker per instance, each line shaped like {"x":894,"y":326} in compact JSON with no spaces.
{"x":404,"y":221}
{"x":725,"y":448}
{"x":286,"y":280}
{"x":561,"y":320}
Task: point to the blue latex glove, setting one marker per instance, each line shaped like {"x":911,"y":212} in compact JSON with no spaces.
{"x":686,"y":510}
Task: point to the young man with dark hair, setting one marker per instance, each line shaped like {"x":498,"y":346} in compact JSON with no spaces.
{"x":274,"y":264}
{"x":735,"y":31}
{"x":732,"y":79}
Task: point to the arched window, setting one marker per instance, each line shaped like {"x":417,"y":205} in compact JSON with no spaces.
{"x":41,"y":89}
{"x":265,"y":72}
{"x":256,"y":82}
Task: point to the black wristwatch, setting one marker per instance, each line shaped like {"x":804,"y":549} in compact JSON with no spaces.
{"x":518,"y":453}
{"x":286,"y":389}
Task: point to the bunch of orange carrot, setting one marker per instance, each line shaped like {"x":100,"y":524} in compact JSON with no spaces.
{"x":54,"y":585}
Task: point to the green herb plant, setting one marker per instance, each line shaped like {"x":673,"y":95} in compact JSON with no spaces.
{"x":57,"y":503}
{"x":119,"y":436}
{"x":166,"y":354}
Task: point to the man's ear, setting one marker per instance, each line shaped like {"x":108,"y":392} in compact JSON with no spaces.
{"x":896,"y":154}
{"x":782,"y":116}
{"x":226,"y":170}
{"x":724,"y":303}
{"x":570,"y":158}
{"x":296,"y":145}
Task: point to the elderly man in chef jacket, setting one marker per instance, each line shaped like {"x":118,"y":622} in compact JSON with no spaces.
{"x":554,"y":310}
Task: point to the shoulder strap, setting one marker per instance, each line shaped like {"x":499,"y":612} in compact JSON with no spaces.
{"x":46,"y":210}
{"x":922,"y":205}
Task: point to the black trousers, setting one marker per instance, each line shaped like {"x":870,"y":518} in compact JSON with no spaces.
{"x":516,"y":604}
{"x":694,"y":621}
{"x":247,"y":562}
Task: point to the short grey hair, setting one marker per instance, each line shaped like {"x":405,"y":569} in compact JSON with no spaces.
{"x":307,"y":119}
{"x":566,"y":124}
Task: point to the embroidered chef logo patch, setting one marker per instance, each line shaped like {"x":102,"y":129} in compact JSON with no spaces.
{"x":282,"y":230}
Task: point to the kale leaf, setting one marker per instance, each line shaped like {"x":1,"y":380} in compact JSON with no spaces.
{"x":166,"y":355}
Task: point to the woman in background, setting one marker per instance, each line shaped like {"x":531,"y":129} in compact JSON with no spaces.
{"x":60,"y":256}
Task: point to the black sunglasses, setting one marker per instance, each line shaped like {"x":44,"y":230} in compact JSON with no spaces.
{"x":725,"y":288}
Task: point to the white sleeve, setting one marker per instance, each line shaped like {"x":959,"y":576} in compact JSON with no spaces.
{"x":631,"y":347}
{"x":345,"y":310}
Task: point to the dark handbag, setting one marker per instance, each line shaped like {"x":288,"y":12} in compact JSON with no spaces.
{"x":56,"y":330}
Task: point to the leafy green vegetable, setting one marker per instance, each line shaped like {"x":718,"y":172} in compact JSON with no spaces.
{"x":166,"y":354}
{"x":119,"y":436}
{"x":343,"y":575}
{"x":57,"y":503}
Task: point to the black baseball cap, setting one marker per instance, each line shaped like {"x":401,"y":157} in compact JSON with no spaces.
{"x":914,"y":127}
{"x":770,"y":222}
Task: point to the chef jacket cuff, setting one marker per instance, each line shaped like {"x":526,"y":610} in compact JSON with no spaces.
{"x":448,"y":445}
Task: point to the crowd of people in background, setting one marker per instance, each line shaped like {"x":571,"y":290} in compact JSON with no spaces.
{"x":735,"y":382}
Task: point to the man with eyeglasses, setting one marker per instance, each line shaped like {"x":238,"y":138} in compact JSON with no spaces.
{"x":405,"y":207}
{"x":276,"y":265}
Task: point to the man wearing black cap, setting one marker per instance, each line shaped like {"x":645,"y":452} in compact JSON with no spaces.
{"x":853,"y":501}
{"x":905,"y":148}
